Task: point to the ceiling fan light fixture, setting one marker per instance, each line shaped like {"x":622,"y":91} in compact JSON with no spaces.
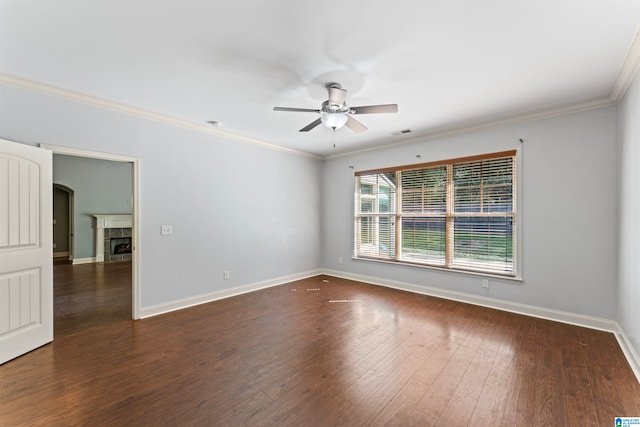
{"x":334,"y":120}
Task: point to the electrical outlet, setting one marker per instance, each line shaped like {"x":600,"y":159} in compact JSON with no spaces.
{"x":485,"y":283}
{"x":226,"y":275}
{"x":339,"y":260}
{"x":166,"y":230}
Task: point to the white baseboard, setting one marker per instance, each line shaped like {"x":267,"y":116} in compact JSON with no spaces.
{"x":84,"y":260}
{"x":158,"y":309}
{"x":528,"y":310}
{"x":513,"y":307}
{"x":629,"y":351}
{"x":61,"y":254}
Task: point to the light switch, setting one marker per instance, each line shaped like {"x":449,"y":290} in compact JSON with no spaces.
{"x":166,"y":230}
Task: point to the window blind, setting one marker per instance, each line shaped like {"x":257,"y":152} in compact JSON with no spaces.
{"x":454,"y":214}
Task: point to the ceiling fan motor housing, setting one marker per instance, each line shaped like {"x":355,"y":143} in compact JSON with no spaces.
{"x":328,"y":108}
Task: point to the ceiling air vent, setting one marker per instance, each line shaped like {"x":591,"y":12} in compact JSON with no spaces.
{"x":402,"y":131}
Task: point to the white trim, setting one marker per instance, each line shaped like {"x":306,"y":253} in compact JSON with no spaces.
{"x":135,"y":214}
{"x":167,"y":307}
{"x":522,"y":118}
{"x":88,"y":260}
{"x":94,"y":101}
{"x":513,"y":307}
{"x":78,"y":152}
{"x":625,"y":77}
{"x":135,"y":234}
{"x":516,"y":280}
{"x":628,"y":70}
{"x":627,"y":348}
{"x":528,"y":310}
{"x":61,"y":254}
{"x":590,"y":322}
{"x":34,"y":86}
{"x":108,"y":221}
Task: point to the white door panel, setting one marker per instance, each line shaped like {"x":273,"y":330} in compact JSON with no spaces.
{"x":26,"y":275}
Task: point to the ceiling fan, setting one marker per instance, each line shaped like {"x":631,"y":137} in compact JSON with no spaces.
{"x":335,"y":113}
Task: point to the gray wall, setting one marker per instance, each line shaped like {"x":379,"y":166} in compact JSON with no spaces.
{"x":264,"y":214}
{"x":233,"y":206}
{"x":629,"y":226}
{"x":568,"y":219}
{"x":100,"y":187}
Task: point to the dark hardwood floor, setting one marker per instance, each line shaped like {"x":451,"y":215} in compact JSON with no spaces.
{"x":322,"y":352}
{"x":90,"y":295}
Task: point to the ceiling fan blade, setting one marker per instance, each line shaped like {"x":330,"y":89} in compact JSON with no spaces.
{"x":373,"y":109}
{"x":298,"y":110}
{"x":311,"y":125}
{"x":355,"y":125}
{"x":336,"y":95}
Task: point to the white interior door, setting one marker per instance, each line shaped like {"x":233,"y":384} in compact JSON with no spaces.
{"x":26,"y":249}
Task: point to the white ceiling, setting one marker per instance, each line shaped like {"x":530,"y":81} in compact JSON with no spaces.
{"x":447,"y":64}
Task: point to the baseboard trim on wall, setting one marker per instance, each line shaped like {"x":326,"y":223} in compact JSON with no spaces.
{"x":84,"y":260}
{"x":158,"y":309}
{"x":627,"y":348}
{"x":61,"y":254}
{"x":528,"y":310}
{"x":524,"y":309}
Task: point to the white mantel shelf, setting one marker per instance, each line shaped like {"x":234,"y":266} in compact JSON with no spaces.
{"x":108,"y":221}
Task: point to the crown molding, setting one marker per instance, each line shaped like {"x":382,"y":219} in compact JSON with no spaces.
{"x":105,"y":104}
{"x":525,"y":117}
{"x":628,"y":70}
{"x":626,"y":75}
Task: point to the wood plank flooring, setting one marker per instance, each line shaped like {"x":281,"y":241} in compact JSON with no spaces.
{"x":89,"y":295}
{"x":324,"y":352}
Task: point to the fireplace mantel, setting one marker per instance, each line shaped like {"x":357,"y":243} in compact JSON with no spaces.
{"x":108,"y":221}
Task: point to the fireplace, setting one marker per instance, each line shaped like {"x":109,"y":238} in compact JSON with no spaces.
{"x":117,"y":244}
{"x":113,"y":238}
{"x":120,"y":245}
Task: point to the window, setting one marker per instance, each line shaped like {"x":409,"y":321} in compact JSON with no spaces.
{"x":457,"y":214}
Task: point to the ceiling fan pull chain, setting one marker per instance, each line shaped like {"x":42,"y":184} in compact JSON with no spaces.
{"x":334,"y":139}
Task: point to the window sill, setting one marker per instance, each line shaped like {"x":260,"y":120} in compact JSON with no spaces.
{"x":510,"y":279}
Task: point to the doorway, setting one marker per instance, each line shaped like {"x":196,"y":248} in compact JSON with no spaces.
{"x":62,"y":222}
{"x":83,"y":269}
{"x":91,"y":293}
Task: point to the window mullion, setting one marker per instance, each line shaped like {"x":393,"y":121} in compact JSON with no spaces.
{"x":449,"y":244}
{"x":398,"y":216}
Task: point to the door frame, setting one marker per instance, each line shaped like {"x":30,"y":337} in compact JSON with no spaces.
{"x":135,"y":264}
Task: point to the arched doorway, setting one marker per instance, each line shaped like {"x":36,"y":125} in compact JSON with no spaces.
{"x":62,"y":222}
